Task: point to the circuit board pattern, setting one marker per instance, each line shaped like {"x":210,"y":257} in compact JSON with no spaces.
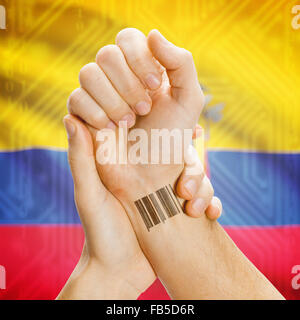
{"x":247,"y":57}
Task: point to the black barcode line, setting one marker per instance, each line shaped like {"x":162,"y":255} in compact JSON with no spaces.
{"x":150,"y":210}
{"x":176,"y":199}
{"x":161,"y":199}
{"x":169,"y":203}
{"x":158,"y":206}
{"x":143,"y":214}
{"x":172,"y":196}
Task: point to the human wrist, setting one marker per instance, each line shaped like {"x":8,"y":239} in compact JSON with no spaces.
{"x":92,"y":280}
{"x":145,"y":184}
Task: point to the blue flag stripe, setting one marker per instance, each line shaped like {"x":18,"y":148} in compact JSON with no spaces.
{"x":257,"y":189}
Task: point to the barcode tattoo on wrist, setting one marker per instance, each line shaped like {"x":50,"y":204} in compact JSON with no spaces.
{"x":158,"y":206}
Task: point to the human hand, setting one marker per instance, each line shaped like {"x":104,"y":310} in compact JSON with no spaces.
{"x":112,"y":264}
{"x":112,"y":89}
{"x":194,"y":186}
{"x":186,"y":253}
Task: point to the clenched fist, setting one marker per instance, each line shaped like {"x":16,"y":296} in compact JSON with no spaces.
{"x":137,"y":75}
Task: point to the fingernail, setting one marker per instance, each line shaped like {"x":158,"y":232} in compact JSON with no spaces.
{"x":143,"y":108}
{"x":111,"y":125}
{"x":129,"y":118}
{"x":197,"y":132}
{"x":70,"y":128}
{"x":214,"y":212}
{"x":199,"y":205}
{"x":152,"y":81}
{"x":191,"y":187}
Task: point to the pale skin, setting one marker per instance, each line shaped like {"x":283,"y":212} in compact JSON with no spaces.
{"x":112,"y":264}
{"x":194,"y":258}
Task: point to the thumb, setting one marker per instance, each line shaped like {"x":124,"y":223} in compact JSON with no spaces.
{"x":88,"y":187}
{"x":178,"y":62}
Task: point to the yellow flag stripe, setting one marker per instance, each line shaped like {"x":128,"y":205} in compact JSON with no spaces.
{"x":246,"y":53}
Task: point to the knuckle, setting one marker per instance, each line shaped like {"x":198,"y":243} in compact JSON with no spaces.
{"x":100,"y":119}
{"x":200,"y":98}
{"x":220,"y":205}
{"x":210,"y":191}
{"x":107,"y":53}
{"x":135,"y":92}
{"x":187,"y":55}
{"x":201,"y":175}
{"x":137,"y":60}
{"x":74,"y":99}
{"x":116,"y":113}
{"x":218,"y":202}
{"x":86,"y":72}
{"x":126,"y":34}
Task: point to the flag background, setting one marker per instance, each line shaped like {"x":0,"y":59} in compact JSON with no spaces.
{"x":247,"y":56}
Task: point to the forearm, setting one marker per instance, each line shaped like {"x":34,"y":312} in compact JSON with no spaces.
{"x":92,"y":281}
{"x":196,"y":259}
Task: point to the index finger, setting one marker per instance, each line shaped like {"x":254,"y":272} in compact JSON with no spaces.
{"x":133,"y":44}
